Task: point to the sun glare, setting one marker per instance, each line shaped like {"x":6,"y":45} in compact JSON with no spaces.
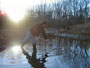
{"x":16,"y":49}
{"x":16,"y":9}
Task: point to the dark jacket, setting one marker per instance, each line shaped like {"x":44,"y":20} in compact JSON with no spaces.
{"x":38,"y":30}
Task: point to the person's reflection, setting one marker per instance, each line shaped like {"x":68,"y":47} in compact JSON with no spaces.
{"x":36,"y":63}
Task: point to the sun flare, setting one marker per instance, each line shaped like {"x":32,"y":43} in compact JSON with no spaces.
{"x":16,"y":9}
{"x":16,"y":49}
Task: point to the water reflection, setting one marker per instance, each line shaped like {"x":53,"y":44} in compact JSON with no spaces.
{"x":62,"y":52}
{"x":16,"y":49}
{"x":9,"y":56}
{"x":33,"y":60}
{"x":74,"y":52}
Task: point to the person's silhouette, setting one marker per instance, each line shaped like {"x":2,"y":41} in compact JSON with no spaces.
{"x":36,"y":63}
{"x":32,"y":34}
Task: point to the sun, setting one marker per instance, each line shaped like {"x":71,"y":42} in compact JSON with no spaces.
{"x":16,"y":9}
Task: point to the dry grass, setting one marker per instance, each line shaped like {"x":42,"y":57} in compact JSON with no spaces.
{"x":78,"y":29}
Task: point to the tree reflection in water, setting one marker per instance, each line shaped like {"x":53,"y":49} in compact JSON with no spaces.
{"x":72,"y":52}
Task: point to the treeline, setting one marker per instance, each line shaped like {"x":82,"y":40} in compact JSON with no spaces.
{"x":60,"y":12}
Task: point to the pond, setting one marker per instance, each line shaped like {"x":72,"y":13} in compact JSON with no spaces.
{"x":61,"y":53}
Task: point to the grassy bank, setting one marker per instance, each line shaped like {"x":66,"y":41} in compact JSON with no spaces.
{"x":77,"y":29}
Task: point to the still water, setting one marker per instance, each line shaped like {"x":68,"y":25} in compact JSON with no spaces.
{"x":62,"y":53}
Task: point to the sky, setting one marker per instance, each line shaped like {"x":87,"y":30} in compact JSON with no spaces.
{"x":16,"y":9}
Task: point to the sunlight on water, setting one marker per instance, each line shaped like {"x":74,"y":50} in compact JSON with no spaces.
{"x":12,"y":55}
{"x":62,"y":53}
{"x":16,"y":49}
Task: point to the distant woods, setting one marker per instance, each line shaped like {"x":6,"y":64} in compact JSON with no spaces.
{"x":60,"y":13}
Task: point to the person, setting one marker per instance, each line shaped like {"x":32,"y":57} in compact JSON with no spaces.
{"x":34,"y":32}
